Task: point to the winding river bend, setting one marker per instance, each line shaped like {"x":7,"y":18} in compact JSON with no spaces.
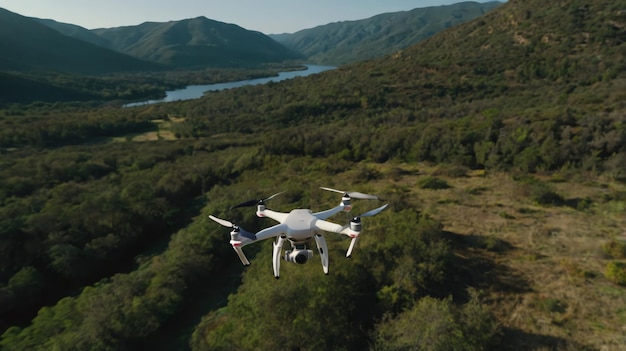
{"x":196,"y":91}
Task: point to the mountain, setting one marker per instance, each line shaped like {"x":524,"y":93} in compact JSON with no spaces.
{"x":196,"y":42}
{"x":30,"y":46}
{"x":76,"y":32}
{"x":349,"y":41}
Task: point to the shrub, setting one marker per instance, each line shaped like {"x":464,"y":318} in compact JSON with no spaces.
{"x":616,"y":272}
{"x":434,"y":324}
{"x":540,"y":192}
{"x":452,"y":170}
{"x":615,"y":249}
{"x":433,"y":183}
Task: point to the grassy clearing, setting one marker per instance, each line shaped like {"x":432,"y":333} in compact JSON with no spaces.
{"x":163,"y":132}
{"x":549,"y":281}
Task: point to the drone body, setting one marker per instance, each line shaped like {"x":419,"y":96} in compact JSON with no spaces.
{"x":298,"y":227}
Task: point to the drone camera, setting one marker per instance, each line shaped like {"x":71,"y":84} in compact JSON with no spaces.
{"x":299,"y":256}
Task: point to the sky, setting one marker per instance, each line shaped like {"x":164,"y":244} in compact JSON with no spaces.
{"x":266,"y":16}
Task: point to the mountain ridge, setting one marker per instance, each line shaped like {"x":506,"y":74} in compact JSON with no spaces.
{"x":196,"y":42}
{"x":348,"y":41}
{"x":40,"y":48}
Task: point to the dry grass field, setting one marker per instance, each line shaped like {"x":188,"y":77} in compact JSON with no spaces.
{"x":163,"y":132}
{"x":541,"y":267}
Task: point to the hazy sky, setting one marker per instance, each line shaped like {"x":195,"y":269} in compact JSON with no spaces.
{"x":267,"y":16}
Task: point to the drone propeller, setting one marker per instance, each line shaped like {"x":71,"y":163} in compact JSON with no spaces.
{"x":223,"y":222}
{"x":373,"y":212}
{"x":254,"y":202}
{"x":353,"y":194}
{"x":235,"y":237}
{"x":355,"y":226}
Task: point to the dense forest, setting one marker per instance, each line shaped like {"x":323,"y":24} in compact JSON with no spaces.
{"x":499,"y":144}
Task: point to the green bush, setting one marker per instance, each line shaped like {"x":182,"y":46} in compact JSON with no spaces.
{"x":452,"y":170}
{"x":615,"y":249}
{"x":433,"y":324}
{"x":538,"y":191}
{"x":433,"y":183}
{"x":616,"y":272}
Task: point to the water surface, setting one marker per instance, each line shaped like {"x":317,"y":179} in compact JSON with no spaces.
{"x":196,"y":91}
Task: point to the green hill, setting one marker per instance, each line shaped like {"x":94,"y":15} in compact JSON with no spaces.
{"x":350,"y":41}
{"x":30,"y":46}
{"x":76,"y":32}
{"x":500,"y":145}
{"x":197,"y":42}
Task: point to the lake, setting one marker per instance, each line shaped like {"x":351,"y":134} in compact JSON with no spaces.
{"x":197,"y":91}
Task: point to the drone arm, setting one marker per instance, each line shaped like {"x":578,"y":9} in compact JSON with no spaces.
{"x":239,"y":239}
{"x":329,"y":227}
{"x":271,"y":232}
{"x":277,"y":216}
{"x":243,"y":238}
{"x":331,"y":212}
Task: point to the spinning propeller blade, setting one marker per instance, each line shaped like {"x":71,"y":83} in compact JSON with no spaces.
{"x":254,"y":202}
{"x":374,"y":212}
{"x":353,"y":194}
{"x":223,"y":222}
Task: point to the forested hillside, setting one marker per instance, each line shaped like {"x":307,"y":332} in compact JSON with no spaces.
{"x":350,"y":41}
{"x":196,"y":42}
{"x":30,"y":46}
{"x":499,"y":144}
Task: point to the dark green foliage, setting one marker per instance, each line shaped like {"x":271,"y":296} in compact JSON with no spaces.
{"x":615,"y":271}
{"x":433,"y":183}
{"x":540,"y":192}
{"x":615,"y":249}
{"x":297,"y":311}
{"x":433,"y":324}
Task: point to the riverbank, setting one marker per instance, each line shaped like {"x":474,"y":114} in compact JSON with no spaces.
{"x":197,"y":91}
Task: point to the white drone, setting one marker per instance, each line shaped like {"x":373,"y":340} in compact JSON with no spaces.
{"x":298,"y":227}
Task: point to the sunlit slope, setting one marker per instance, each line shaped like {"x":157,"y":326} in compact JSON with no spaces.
{"x":349,"y":41}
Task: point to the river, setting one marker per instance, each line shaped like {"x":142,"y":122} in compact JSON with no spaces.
{"x":197,"y":91}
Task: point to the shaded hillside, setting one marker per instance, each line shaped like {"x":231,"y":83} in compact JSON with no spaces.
{"x":75,"y":31}
{"x":350,"y":41}
{"x":14,"y":88}
{"x":197,"y":42}
{"x":30,"y":46}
